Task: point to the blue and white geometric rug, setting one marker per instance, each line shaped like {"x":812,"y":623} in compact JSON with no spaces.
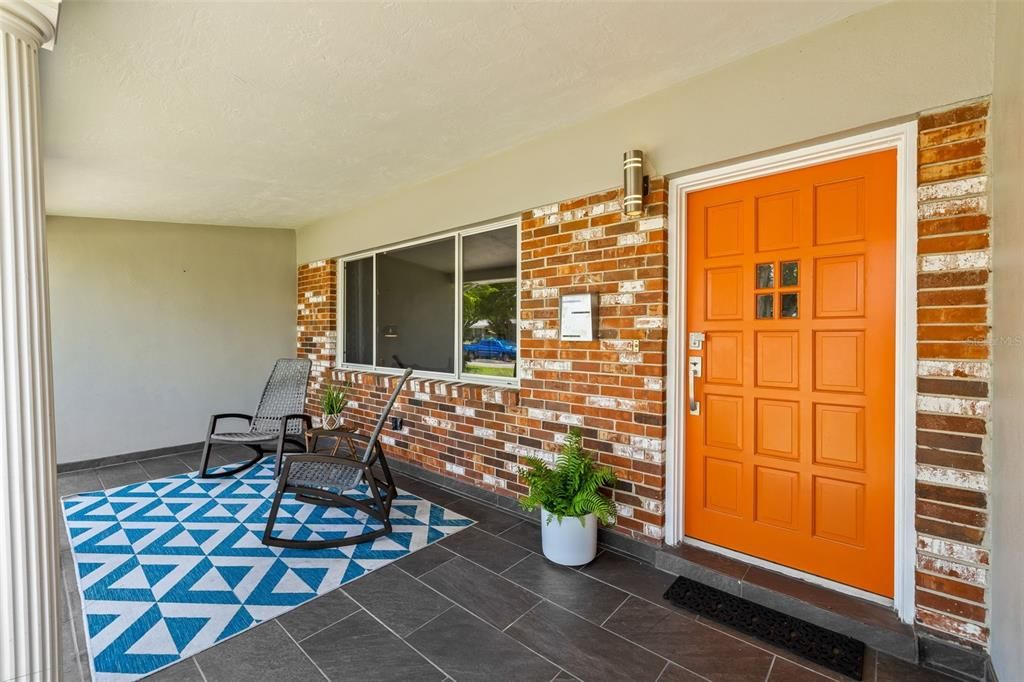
{"x":169,"y":567}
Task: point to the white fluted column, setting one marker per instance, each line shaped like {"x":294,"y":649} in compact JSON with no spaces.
{"x":29,"y":619}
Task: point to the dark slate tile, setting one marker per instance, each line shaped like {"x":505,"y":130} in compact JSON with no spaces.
{"x":487,"y":518}
{"x":162,"y":467}
{"x":397,"y":599}
{"x":75,"y":482}
{"x":425,"y":490}
{"x":317,"y":614}
{"x":423,"y":560}
{"x":526,"y":535}
{"x":185,"y":671}
{"x":891,"y":669}
{"x":786,"y":671}
{"x":468,"y":649}
{"x":630,"y":575}
{"x":265,"y":652}
{"x":121,"y":474}
{"x":360,"y":648}
{"x":571,"y":589}
{"x":485,"y":549}
{"x":673,"y":673}
{"x":486,"y":594}
{"x":582,"y":648}
{"x":688,"y":643}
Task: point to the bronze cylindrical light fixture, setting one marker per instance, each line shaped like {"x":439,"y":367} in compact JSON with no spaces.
{"x":633,"y":182}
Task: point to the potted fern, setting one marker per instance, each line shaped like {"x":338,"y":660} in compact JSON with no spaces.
{"x":571,"y":504}
{"x":332,"y":404}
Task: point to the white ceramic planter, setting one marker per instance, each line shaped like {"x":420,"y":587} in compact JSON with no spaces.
{"x":569,"y":542}
{"x":332,"y":421}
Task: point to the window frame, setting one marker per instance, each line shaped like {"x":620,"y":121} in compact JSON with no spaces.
{"x":458,"y":374}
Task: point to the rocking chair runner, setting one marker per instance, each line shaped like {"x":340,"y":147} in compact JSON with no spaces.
{"x":324,"y":479}
{"x":278,"y":420}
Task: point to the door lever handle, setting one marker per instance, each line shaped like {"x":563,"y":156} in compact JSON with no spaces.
{"x":694,"y":367}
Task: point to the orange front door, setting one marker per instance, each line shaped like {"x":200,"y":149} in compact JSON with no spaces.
{"x":789,"y":448}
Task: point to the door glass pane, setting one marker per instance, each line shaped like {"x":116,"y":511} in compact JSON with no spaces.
{"x":416,"y":307}
{"x":765,"y":275}
{"x":789,"y":305}
{"x":358,"y":316}
{"x":489,"y":291}
{"x":765,"y":306}
{"x":791,"y":273}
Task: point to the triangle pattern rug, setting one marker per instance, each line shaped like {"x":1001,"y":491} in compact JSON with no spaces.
{"x":170,"y":567}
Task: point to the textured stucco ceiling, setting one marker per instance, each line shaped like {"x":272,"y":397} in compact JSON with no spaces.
{"x":278,"y":114}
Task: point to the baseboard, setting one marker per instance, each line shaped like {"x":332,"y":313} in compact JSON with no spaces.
{"x":953,"y":659}
{"x":64,"y":467}
{"x":608,"y":538}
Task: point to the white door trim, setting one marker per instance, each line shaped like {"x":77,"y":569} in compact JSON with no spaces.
{"x":902,"y":138}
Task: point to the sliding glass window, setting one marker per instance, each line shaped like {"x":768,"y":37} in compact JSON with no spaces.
{"x":445,"y":306}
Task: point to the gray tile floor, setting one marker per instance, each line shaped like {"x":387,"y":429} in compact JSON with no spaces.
{"x":482,"y":604}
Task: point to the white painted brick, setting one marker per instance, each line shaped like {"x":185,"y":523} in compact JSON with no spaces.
{"x":549,"y":292}
{"x":631,"y":358}
{"x":616,"y":344}
{"x":953,"y":368}
{"x":652,"y":531}
{"x":623,"y":450}
{"x":588,"y":234}
{"x":420,"y":395}
{"x":545,"y":210}
{"x":952,"y":477}
{"x":948,"y":549}
{"x":633,"y":285}
{"x":543,"y":415}
{"x":618,"y":299}
{"x":431,"y":421}
{"x":601,"y":401}
{"x":387,"y":440}
{"x":532,"y":283}
{"x":951,"y":207}
{"x":953,"y":189}
{"x":650,"y":323}
{"x":651,"y":224}
{"x":572,"y":419}
{"x":526,"y":374}
{"x":455,"y":468}
{"x":551,"y":220}
{"x":624,"y":510}
{"x":560,"y":438}
{"x":597,"y":209}
{"x":632,"y":239}
{"x":654,"y":383}
{"x":965,"y":407}
{"x":967,"y":572}
{"x":556,"y":365}
{"x":481,"y":432}
{"x":494,"y":480}
{"x":652,"y":444}
{"x":465,"y":411}
{"x":653,"y":506}
{"x":612,"y":206}
{"x":967,"y":260}
{"x":545,"y":334}
{"x":532,"y":324}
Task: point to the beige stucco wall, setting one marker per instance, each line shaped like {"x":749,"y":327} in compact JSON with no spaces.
{"x":886,"y":63}
{"x":1008,"y":332}
{"x":156,"y":326}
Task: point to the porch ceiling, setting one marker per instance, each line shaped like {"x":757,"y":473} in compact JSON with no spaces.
{"x":277,"y":114}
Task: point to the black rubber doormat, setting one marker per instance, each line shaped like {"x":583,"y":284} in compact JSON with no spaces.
{"x":834,"y":651}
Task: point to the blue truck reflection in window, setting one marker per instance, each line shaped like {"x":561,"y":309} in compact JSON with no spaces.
{"x":490,"y":349}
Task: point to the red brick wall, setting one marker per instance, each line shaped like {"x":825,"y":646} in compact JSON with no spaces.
{"x":613,"y":388}
{"x":953,"y":424}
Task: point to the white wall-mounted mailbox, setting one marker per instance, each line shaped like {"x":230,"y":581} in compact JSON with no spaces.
{"x":578,"y":317}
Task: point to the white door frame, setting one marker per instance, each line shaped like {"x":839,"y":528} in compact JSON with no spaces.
{"x":902,"y":138}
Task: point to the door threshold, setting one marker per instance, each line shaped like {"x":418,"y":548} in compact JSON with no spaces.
{"x":875,"y":624}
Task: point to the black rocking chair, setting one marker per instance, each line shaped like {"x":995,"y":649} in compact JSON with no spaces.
{"x":278,"y":420}
{"x":323,"y":480}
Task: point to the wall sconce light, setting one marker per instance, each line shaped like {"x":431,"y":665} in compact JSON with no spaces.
{"x":634,"y":183}
{"x":390,"y":332}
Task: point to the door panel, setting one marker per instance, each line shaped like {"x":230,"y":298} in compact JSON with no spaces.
{"x":789,"y":458}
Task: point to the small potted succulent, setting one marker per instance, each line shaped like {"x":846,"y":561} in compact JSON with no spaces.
{"x":332,"y":404}
{"x":571,"y":504}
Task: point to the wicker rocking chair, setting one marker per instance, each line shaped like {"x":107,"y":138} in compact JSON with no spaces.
{"x":324,"y":479}
{"x":278,"y":421}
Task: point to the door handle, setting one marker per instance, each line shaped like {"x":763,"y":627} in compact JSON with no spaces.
{"x":694,"y":367}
